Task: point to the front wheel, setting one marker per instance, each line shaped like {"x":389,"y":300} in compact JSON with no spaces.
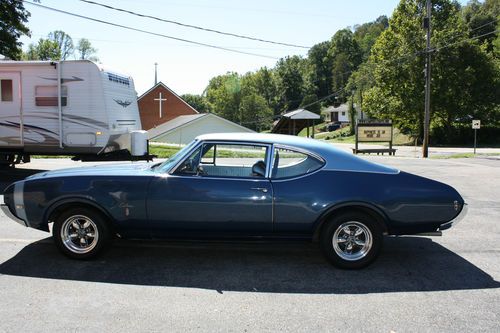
{"x":81,"y":233}
{"x":351,"y":240}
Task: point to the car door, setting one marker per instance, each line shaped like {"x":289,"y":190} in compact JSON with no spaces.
{"x":220,"y":189}
{"x":297,"y":189}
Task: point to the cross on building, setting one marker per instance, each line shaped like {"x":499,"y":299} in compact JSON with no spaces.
{"x":160,"y":100}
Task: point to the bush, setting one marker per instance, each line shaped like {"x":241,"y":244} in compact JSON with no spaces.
{"x":463,"y":134}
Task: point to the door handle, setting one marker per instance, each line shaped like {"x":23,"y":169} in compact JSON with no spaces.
{"x":262,"y":189}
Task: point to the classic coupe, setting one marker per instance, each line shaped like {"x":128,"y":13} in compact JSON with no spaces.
{"x":237,"y":186}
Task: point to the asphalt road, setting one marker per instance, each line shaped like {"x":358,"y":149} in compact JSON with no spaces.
{"x":418,"y":284}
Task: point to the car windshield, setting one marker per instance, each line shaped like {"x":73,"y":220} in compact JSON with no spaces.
{"x":174,"y":159}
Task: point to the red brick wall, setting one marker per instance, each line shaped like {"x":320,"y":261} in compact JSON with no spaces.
{"x":149,"y":109}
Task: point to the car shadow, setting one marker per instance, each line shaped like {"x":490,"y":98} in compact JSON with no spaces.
{"x":10,"y":175}
{"x":406,"y":264}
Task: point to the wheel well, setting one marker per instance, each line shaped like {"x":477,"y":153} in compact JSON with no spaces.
{"x":350,"y":208}
{"x":59,"y":209}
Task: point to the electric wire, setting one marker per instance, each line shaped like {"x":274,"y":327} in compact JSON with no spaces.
{"x":193,"y":26}
{"x":150,"y":32}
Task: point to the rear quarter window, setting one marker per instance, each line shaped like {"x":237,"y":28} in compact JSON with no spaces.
{"x":288,"y":163}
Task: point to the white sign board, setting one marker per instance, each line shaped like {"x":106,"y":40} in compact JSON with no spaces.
{"x":374,"y":133}
{"x":476,"y":124}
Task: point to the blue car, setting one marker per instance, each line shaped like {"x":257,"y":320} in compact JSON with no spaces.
{"x":237,"y":186}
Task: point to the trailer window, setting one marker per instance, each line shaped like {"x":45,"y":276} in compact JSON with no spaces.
{"x":47,"y":95}
{"x":6,"y":90}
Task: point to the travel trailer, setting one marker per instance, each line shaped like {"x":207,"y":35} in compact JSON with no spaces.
{"x":68,"y":108}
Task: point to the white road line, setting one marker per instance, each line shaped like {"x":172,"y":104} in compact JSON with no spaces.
{"x":19,"y":240}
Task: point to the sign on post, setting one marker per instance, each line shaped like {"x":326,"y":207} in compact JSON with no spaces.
{"x":374,"y":131}
{"x":476,"y":124}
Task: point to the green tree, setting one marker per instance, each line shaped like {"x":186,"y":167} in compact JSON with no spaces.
{"x":346,"y":57}
{"x":482,"y":19}
{"x":308,"y":100}
{"x":366,"y":34}
{"x":318,"y":72}
{"x":223,"y":94}
{"x":289,"y":82}
{"x":256,"y":114}
{"x":64,"y":43}
{"x":464,"y":78}
{"x":86,"y":50}
{"x":45,"y":49}
{"x":13,"y":17}
{"x":198,"y":102}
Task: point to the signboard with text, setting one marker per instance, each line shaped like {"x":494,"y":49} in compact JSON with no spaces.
{"x":374,"y":133}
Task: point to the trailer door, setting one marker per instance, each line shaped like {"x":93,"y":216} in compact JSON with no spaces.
{"x":10,"y":109}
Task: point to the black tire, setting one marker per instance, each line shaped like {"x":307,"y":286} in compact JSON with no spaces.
{"x":81,"y":233}
{"x":360,"y":256}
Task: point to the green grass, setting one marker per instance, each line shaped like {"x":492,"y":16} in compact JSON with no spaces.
{"x":163,"y":151}
{"x":462,"y":155}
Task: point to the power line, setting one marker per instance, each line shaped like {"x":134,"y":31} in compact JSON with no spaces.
{"x":465,"y":40}
{"x":193,"y":26}
{"x":149,"y":32}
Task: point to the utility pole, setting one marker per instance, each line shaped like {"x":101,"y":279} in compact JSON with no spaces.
{"x":427,"y":116}
{"x":156,"y":73}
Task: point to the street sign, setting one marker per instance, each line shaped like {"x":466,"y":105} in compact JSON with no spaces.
{"x":476,"y":124}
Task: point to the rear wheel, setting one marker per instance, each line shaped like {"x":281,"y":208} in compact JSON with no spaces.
{"x":351,"y":240}
{"x":81,"y":233}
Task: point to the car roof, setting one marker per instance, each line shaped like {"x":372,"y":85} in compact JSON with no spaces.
{"x":335,"y":158}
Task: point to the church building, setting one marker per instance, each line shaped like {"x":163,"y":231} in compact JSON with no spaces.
{"x":160,"y":104}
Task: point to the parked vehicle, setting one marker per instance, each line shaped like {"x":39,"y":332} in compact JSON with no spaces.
{"x":238,"y":185}
{"x":66,"y":108}
{"x":334,"y":126}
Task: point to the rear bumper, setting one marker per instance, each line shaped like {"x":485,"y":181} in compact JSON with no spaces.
{"x":9,"y":214}
{"x":457,"y":219}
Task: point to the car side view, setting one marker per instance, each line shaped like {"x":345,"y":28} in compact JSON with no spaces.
{"x":237,"y":185}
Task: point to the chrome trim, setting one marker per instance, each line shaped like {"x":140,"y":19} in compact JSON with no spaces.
{"x":352,"y":241}
{"x":76,"y":231}
{"x":301,"y":150}
{"x":9,"y":214}
{"x":432,"y":233}
{"x":458,"y":218}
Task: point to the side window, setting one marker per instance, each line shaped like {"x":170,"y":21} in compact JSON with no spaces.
{"x":231,"y":160}
{"x":288,"y":163}
{"x":6,"y":90}
{"x":47,"y":95}
{"x":226,"y":160}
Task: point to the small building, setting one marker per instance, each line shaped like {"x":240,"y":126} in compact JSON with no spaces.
{"x":184,"y":129}
{"x":160,"y":104}
{"x":340,"y":113}
{"x":295,"y":121}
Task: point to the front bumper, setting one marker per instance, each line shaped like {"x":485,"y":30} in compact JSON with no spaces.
{"x":9,"y":214}
{"x":457,"y":219}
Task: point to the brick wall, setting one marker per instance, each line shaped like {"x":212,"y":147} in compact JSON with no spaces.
{"x":171,"y":108}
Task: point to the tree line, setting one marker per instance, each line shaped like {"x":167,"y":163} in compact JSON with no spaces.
{"x":379,"y":66}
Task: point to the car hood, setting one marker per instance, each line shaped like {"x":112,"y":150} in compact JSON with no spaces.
{"x":115,"y":169}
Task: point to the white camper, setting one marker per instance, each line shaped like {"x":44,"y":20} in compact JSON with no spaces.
{"x":66,"y":108}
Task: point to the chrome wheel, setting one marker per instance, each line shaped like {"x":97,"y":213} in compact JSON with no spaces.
{"x":352,"y":240}
{"x":79,"y":234}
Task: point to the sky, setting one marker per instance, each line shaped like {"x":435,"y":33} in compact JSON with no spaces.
{"x":187,"y":68}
